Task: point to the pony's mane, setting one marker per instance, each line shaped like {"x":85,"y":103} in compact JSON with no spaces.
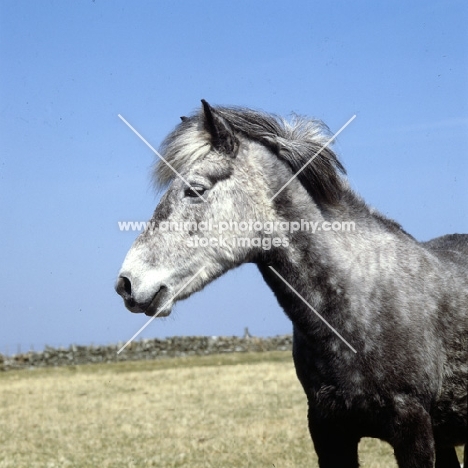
{"x":295,"y":142}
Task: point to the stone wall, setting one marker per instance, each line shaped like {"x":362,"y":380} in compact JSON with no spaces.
{"x":144,"y":349}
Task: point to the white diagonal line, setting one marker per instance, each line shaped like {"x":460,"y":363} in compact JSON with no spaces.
{"x":162,"y":307}
{"x":312,"y":309}
{"x":313,"y":157}
{"x":158,"y":155}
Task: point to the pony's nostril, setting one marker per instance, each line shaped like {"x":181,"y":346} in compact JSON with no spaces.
{"x":127,"y":285}
{"x":124,"y":287}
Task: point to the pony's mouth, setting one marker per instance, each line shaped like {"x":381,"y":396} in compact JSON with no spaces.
{"x":161,"y":304}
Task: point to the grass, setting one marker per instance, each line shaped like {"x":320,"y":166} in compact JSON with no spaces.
{"x":234,"y":410}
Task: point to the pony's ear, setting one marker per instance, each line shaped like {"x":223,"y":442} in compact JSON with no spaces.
{"x":184,"y":119}
{"x":223,"y":138}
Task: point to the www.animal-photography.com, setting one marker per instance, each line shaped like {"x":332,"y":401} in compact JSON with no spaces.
{"x":235,"y":234}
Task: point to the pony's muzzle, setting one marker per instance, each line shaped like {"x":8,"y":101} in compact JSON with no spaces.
{"x":149,"y":307}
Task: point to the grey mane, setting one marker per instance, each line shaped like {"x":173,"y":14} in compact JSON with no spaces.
{"x":295,"y":142}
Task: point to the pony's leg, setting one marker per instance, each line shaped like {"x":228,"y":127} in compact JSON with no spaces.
{"x":337,"y":451}
{"x":447,"y":458}
{"x":334,"y":447}
{"x":413,"y":439}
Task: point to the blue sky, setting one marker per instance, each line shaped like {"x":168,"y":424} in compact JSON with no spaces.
{"x":70,"y":169}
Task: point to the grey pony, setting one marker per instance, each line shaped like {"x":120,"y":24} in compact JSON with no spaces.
{"x":402,"y":305}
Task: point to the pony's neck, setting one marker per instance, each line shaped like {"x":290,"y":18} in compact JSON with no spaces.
{"x":322,"y":262}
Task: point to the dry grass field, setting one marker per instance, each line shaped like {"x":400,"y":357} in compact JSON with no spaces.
{"x":238,"y":410}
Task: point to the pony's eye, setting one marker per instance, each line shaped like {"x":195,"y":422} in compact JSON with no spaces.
{"x":194,"y":192}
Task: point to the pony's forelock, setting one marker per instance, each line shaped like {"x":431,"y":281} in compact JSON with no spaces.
{"x":294,"y":141}
{"x":185,"y":145}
